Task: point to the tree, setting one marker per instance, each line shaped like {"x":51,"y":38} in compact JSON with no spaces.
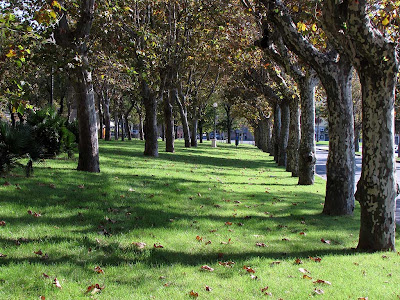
{"x":76,"y":40}
{"x":335,"y":75}
{"x":374,"y":54}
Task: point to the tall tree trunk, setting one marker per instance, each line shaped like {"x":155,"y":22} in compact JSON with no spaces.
{"x":82,"y":81}
{"x":356,"y":138}
{"x":128,"y":128}
{"x":277,"y":130}
{"x":107,"y":117}
{"x":122,"y":128}
{"x":284,"y":134}
{"x":376,"y":59}
{"x":201,"y":123}
{"x":195,"y":121}
{"x":100,"y":118}
{"x":263,"y":133}
{"x":340,"y":167}
{"x":307,"y":157}
{"x":51,"y":87}
{"x":294,"y":139}
{"x":116,"y":126}
{"x":184,"y":120}
{"x":141,"y":127}
{"x":169,"y":120}
{"x":151,"y":131}
{"x":87,"y":122}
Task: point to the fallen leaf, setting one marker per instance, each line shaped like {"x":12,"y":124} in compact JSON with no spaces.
{"x":318,"y":291}
{"x":98,"y":270}
{"x":303,"y":233}
{"x":3,"y":255}
{"x":213,"y":230}
{"x":261,"y":245}
{"x":45,"y":275}
{"x":298,"y":261}
{"x":42,"y":298}
{"x":254,"y":277}
{"x":81,"y":186}
{"x":208,"y":242}
{"x":285,"y":239}
{"x":207,"y":268}
{"x":226,"y":263}
{"x":237,"y":201}
{"x":2,"y":223}
{"x":208,"y":289}
{"x":385,"y":257}
{"x":38,"y":252}
{"x":316,"y":259}
{"x":94,"y":288}
{"x":248,"y":269}
{"x":199,"y":238}
{"x":193,"y":294}
{"x":57,"y":283}
{"x":275,"y":263}
{"x":362,"y":298}
{"x":158,"y":245}
{"x":240,"y":224}
{"x":320,"y":281}
{"x":302,"y":270}
{"x":228,"y":223}
{"x":326,"y":241}
{"x":307,"y":277}
{"x":264,"y":289}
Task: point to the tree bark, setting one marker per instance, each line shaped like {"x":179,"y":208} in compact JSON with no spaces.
{"x":116,"y":126}
{"x":194,"y":132}
{"x":376,"y":61}
{"x":185,"y":124}
{"x":122,"y":120}
{"x":150,"y":126}
{"x":100,"y":118}
{"x":201,"y":123}
{"x":294,"y":139}
{"x":277,"y":130}
{"x":284,"y":134}
{"x":335,"y":75}
{"x":340,"y":166}
{"x":307,"y":157}
{"x":356,"y":139}
{"x":82,"y":82}
{"x":169,"y":120}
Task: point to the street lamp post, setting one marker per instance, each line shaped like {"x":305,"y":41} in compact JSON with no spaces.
{"x":214,"y":140}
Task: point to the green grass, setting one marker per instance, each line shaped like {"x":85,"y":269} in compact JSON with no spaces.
{"x":90,"y":220}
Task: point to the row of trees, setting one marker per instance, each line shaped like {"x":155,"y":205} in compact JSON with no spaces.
{"x":182,"y":55}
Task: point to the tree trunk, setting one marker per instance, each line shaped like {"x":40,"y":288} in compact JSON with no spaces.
{"x":376,"y":59}
{"x":100,"y":118}
{"x":201,"y":123}
{"x":107,"y":118}
{"x":169,"y":120}
{"x":87,"y":123}
{"x":185,"y":123}
{"x":356,"y":139}
{"x":377,"y":188}
{"x":116,"y":126}
{"x":284,"y":134}
{"x":307,"y":140}
{"x":150,"y":127}
{"x":294,"y":139}
{"x":141,"y":127}
{"x":264,"y":133}
{"x":128,"y":128}
{"x":277,"y":130}
{"x":340,"y":167}
{"x":122,"y":128}
{"x":194,"y":132}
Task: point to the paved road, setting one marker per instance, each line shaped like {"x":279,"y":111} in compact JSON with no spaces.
{"x":320,"y":169}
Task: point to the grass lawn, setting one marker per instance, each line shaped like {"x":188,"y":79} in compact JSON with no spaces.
{"x":224,"y":218}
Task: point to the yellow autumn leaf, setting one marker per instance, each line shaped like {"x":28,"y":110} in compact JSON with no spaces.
{"x":295,"y":8}
{"x":314,"y":27}
{"x":385,"y":21}
{"x":53,"y":14}
{"x":11,"y":53}
{"x":56,"y":4}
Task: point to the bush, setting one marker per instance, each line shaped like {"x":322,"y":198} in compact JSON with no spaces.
{"x":51,"y":132}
